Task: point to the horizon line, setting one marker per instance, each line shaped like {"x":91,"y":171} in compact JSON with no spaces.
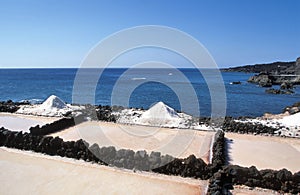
{"x":15,"y":68}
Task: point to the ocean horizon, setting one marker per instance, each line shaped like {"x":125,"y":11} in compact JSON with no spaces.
{"x":246,"y":99}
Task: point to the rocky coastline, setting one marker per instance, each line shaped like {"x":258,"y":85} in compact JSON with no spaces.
{"x":268,"y":79}
{"x":285,"y":74}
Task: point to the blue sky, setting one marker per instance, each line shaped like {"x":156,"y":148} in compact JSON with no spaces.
{"x":58,"y":33}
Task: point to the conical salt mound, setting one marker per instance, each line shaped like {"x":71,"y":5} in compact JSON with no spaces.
{"x":159,"y":114}
{"x":53,"y":106}
{"x":53,"y":102}
{"x":161,"y":110}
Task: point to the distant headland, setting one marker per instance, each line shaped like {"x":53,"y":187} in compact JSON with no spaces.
{"x":275,"y":68}
{"x":285,"y":74}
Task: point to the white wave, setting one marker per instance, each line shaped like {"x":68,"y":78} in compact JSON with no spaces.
{"x":137,"y":78}
{"x":33,"y":101}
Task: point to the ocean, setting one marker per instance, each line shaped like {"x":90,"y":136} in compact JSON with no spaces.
{"x":149,"y":86}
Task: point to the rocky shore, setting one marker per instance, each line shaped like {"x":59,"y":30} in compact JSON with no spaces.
{"x":267,"y":80}
{"x":293,"y":109}
{"x":285,"y":74}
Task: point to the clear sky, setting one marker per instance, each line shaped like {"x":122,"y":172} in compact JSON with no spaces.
{"x":59,"y":33}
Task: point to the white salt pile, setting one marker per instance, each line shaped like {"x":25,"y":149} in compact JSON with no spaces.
{"x":53,"y":106}
{"x":160,"y":115}
{"x":53,"y":102}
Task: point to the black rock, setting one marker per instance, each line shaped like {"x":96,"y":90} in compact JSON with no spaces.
{"x":9,"y":106}
{"x":278,"y":91}
{"x":263,"y":79}
{"x":286,"y":85}
{"x":236,"y":83}
{"x":284,"y":175}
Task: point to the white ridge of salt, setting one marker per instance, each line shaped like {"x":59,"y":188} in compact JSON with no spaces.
{"x":288,"y":125}
{"x":292,"y":120}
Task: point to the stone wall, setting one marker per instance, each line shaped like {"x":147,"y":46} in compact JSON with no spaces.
{"x":124,"y":158}
{"x":222,"y":177}
{"x":8,"y":106}
{"x":54,"y":127}
{"x":282,"y":180}
{"x":246,"y":127}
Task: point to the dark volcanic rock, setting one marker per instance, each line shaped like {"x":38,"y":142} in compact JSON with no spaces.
{"x":265,"y":83}
{"x":267,"y":80}
{"x":220,"y":183}
{"x":297,"y":68}
{"x":238,"y":127}
{"x":104,"y":113}
{"x":244,"y":176}
{"x":236,"y":83}
{"x":286,"y":85}
{"x":8,"y":106}
{"x":284,"y":175}
{"x":278,"y":91}
{"x":292,"y":109}
{"x":52,"y":127}
{"x":292,"y":79}
{"x":263,"y":79}
{"x":219,"y":152}
{"x":282,"y":180}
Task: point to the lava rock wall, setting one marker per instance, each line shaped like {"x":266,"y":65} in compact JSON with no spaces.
{"x":56,"y":126}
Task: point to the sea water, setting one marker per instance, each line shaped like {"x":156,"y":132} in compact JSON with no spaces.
{"x":150,"y":86}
